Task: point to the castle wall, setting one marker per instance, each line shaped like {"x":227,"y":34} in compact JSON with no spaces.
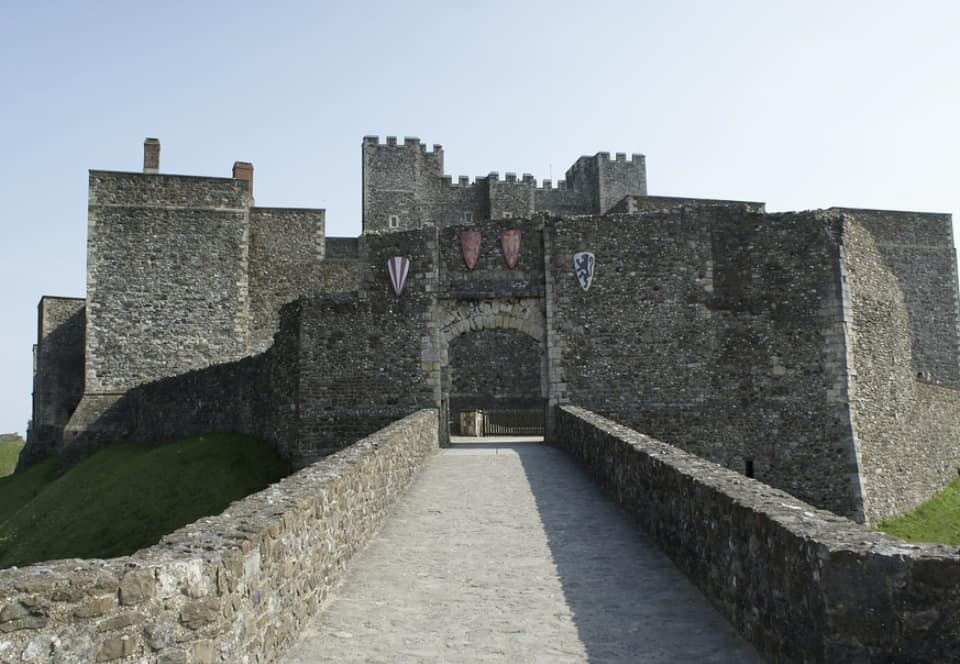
{"x":365,"y":361}
{"x":907,"y":429}
{"x":166,"y":276}
{"x":495,"y":368}
{"x":715,"y":329}
{"x":801,"y":584}
{"x":511,"y":198}
{"x":399,"y":179}
{"x":58,"y":375}
{"x":619,"y":177}
{"x":918,"y":249}
{"x":286,"y":248}
{"x":407,"y":180}
{"x":257,"y":395}
{"x":632,"y":204}
{"x":232,"y":587}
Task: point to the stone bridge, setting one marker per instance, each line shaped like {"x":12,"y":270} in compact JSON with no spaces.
{"x":499,"y":552}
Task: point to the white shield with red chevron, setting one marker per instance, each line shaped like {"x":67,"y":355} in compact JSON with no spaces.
{"x":398,"y":267}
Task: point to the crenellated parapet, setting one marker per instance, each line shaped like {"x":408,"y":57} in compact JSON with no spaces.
{"x":405,"y":188}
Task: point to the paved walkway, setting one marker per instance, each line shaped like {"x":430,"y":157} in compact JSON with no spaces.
{"x":507,"y":552}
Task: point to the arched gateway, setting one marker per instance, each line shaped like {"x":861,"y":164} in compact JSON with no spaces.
{"x":494,"y":366}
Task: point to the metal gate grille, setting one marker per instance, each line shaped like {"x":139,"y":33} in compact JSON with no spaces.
{"x":514,"y":421}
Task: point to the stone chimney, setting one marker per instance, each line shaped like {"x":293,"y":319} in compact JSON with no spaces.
{"x":243,"y":170}
{"x":151,"y":155}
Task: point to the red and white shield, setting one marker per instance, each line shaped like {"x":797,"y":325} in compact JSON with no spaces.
{"x":510,"y":246}
{"x":398,"y":267}
{"x":470,"y":246}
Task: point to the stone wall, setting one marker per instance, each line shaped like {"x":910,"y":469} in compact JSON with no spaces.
{"x":286,"y":249}
{"x":236,"y":587}
{"x":407,"y":180}
{"x":918,"y":249}
{"x":57,"y":376}
{"x":370,"y":358}
{"x":716,"y":328}
{"x":908,"y":429}
{"x":256,"y":395}
{"x":166,"y":276}
{"x":495,"y":368}
{"x":802,"y":584}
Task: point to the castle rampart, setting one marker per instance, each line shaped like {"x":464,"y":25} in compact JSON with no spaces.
{"x":404,"y":188}
{"x":748,"y":338}
{"x":57,"y":374}
{"x":238,"y":586}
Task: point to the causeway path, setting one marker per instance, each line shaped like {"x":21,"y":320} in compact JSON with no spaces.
{"x":506,"y":551}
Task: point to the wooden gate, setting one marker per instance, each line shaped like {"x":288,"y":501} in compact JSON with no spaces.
{"x":513,"y":421}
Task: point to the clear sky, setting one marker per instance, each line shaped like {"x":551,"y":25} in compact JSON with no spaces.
{"x":800,"y":104}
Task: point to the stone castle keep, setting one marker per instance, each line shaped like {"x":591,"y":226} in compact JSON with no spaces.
{"x":816,"y":351}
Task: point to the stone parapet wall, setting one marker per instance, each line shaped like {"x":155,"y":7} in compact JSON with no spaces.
{"x":57,"y":375}
{"x":802,"y":584}
{"x":236,"y":587}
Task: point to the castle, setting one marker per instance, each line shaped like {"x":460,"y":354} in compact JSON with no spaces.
{"x":816,"y":351}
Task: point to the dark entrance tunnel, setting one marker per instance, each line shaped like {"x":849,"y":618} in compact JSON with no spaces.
{"x":496,"y":383}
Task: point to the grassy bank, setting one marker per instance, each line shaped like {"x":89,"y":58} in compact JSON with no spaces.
{"x":127,"y":496}
{"x":937,"y":520}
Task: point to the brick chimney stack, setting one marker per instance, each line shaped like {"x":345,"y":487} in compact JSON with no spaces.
{"x":243,"y":170}
{"x":151,"y":155}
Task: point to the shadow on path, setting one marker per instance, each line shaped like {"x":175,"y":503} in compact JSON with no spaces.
{"x":629,"y":602}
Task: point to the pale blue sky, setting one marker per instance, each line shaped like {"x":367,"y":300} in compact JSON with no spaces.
{"x":799,"y":104}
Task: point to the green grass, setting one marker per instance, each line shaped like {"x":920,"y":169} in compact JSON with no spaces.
{"x":9,"y":453}
{"x":127,"y":496}
{"x":937,"y":520}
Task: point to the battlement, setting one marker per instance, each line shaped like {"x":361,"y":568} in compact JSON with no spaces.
{"x":408,"y":142}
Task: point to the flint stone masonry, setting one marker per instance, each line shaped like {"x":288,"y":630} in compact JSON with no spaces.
{"x":57,"y":377}
{"x":748,"y":338}
{"x":235,"y":587}
{"x":802,"y":584}
{"x":407,"y":180}
{"x":906,"y":428}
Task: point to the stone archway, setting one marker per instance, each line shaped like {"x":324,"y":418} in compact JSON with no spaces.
{"x":493,"y":358}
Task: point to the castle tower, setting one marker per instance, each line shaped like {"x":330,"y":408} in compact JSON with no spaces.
{"x":399,"y":184}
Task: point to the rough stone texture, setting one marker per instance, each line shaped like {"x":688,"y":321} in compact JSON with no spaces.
{"x":57,"y":375}
{"x":918,"y":249}
{"x":149,"y":316}
{"x":367,"y":361}
{"x":255,"y":395}
{"x":507,"y":552}
{"x":716,"y":329}
{"x":235,"y":587}
{"x":710,"y":324}
{"x":495,"y":368}
{"x":407,"y":180}
{"x":633,"y":204}
{"x":286,"y":248}
{"x":907,"y":428}
{"x":802,"y":584}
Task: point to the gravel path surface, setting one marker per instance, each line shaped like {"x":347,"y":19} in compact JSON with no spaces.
{"x":507,"y":552}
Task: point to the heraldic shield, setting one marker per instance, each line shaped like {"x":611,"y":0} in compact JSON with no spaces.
{"x":510,"y":246}
{"x":583,"y":265}
{"x":398,"y":267}
{"x":470,"y":246}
